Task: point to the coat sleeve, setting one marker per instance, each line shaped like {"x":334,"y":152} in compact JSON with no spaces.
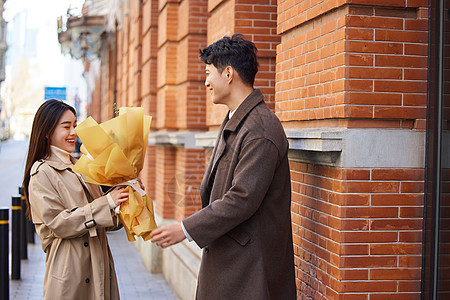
{"x":47,"y":208}
{"x":252,"y":178}
{"x":97,"y":191}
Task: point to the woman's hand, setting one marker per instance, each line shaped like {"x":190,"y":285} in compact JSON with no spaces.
{"x":119,"y":195}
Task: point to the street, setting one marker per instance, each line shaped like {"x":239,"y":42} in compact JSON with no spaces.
{"x":12,"y":163}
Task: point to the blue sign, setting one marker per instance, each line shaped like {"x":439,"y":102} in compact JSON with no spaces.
{"x":52,"y":92}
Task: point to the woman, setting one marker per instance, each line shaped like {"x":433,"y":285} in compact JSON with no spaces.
{"x":70,"y":216}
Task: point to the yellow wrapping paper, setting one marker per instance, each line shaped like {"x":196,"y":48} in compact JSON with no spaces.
{"x":113,"y":153}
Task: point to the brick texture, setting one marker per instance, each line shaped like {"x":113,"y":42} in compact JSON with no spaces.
{"x":355,"y":231}
{"x":165,"y":174}
{"x":355,"y":62}
{"x":181,"y":99}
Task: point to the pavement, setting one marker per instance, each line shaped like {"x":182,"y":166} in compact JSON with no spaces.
{"x":135,"y":282}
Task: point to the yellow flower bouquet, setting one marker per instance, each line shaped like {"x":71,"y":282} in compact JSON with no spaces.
{"x":113,"y":154}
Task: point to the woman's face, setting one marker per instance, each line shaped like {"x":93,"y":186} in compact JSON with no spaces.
{"x":64,"y":134}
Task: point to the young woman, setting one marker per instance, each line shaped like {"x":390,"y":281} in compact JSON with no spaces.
{"x":70,"y":216}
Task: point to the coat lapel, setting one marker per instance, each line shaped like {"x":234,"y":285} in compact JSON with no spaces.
{"x":229,"y":126}
{"x":57,"y":164}
{"x":217,"y":153}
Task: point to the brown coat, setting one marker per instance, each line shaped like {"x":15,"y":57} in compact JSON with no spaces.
{"x":78,"y":262}
{"x":245,"y":224}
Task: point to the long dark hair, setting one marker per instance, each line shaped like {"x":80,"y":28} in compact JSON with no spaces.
{"x":44,"y":123}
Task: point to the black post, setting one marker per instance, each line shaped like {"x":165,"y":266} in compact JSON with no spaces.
{"x":4,"y":253}
{"x":23,"y":226}
{"x":15,"y":236}
{"x":29,"y":226}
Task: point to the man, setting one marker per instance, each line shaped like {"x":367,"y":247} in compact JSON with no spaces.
{"x":244,"y":226}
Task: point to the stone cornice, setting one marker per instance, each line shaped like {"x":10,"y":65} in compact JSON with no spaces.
{"x":178,"y":139}
{"x":344,"y":148}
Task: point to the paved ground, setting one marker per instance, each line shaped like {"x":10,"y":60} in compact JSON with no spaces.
{"x":134,"y":281}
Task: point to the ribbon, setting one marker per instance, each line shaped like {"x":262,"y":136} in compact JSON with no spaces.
{"x":134,"y":183}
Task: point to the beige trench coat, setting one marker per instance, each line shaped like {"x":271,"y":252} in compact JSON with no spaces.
{"x":71,"y":219}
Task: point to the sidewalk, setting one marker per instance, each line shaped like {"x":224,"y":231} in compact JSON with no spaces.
{"x":135,"y":282}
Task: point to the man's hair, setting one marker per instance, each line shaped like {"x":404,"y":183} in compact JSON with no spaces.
{"x":236,"y":52}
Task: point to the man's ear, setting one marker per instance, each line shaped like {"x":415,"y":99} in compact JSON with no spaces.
{"x":229,"y":73}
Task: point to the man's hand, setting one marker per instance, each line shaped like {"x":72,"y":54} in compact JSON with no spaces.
{"x":168,"y":235}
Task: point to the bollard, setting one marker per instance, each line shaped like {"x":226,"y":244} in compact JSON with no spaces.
{"x":23,"y":226}
{"x":31,"y":231}
{"x":15,"y":236}
{"x":4,"y":253}
{"x":29,"y":225}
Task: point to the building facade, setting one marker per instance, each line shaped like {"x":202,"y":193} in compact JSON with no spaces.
{"x":349,"y":81}
{"x":4,"y":119}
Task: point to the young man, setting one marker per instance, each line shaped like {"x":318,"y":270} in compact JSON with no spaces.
{"x":244,"y":226}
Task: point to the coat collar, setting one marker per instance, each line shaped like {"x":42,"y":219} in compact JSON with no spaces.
{"x":246,"y":106}
{"x":56,"y":163}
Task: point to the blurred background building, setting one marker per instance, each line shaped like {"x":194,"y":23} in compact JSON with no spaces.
{"x":349,"y":81}
{"x":4,"y":122}
{"x":34,"y":63}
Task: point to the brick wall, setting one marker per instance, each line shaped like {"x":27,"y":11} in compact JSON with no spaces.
{"x":357,"y":231}
{"x":191,"y":36}
{"x":180,"y":101}
{"x":167,"y":64}
{"x":354,"y":64}
{"x":165,"y":186}
{"x":364,"y":64}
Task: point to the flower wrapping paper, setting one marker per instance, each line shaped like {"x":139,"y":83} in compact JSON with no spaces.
{"x":113,"y":153}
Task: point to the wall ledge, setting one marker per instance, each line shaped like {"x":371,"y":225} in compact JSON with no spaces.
{"x":343,"y":147}
{"x":177,"y":139}
{"x":358,"y":148}
{"x":348,"y":147}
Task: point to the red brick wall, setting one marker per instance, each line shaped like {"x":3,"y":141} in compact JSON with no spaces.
{"x":165,"y":189}
{"x":191,"y":108}
{"x":167,"y":64}
{"x":354,"y":64}
{"x":181,"y":99}
{"x":357,"y":231}
{"x":94,"y":108}
{"x":148,"y":48}
{"x":148,"y":173}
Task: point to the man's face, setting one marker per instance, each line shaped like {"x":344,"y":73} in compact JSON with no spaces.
{"x":217,"y":84}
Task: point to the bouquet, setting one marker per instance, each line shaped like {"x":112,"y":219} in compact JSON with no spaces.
{"x":113,"y":154}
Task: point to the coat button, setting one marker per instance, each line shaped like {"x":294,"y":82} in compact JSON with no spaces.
{"x":86,"y":244}
{"x":206,"y":250}
{"x":87,"y":280}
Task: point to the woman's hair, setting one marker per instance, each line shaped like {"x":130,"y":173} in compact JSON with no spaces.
{"x":236,"y":52}
{"x":44,"y":123}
